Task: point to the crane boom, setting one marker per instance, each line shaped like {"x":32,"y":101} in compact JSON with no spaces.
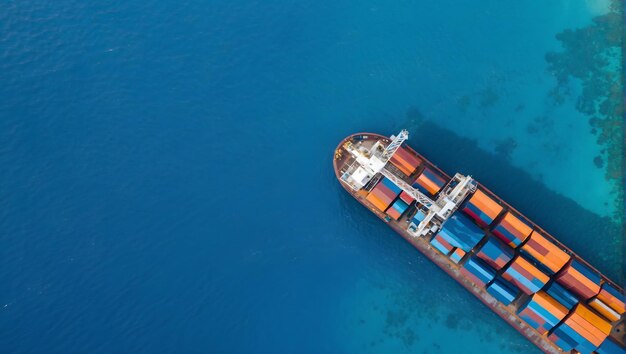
{"x":394,"y":145}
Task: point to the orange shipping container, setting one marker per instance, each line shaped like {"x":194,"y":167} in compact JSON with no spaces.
{"x":612,"y":297}
{"x":486,"y":204}
{"x":379,"y":204}
{"x":545,"y":252}
{"x":604,"y":309}
{"x":589,"y":316}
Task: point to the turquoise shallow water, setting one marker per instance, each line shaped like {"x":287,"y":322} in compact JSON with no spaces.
{"x":167,"y":174}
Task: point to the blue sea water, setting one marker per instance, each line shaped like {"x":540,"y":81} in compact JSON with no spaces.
{"x":167,"y":179}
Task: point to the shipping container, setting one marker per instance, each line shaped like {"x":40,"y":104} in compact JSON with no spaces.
{"x":603,"y":309}
{"x":562,"y":295}
{"x":400,"y":206}
{"x":612,"y":297}
{"x":376,"y":201}
{"x":392,"y":186}
{"x":457,"y":255}
{"x":482,"y":208}
{"x":495,"y":253}
{"x":460,"y":232}
{"x":393,"y":213}
{"x":610,"y":347}
{"x":478,"y":271}
{"x":525,"y":275}
{"x":542,"y":312}
{"x":405,"y":161}
{"x":441,"y":245}
{"x":429,"y":182}
{"x":568,"y":339}
{"x":585,"y":327}
{"x":512,"y":230}
{"x":545,"y":252}
{"x":406,"y":197}
{"x":397,"y":209}
{"x":503,"y":291}
{"x":580,"y":279}
{"x":382,"y":190}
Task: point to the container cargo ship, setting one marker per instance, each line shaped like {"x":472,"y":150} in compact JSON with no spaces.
{"x":536,"y":284}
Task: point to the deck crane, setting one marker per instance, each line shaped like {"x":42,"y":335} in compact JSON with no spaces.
{"x":369,"y":163}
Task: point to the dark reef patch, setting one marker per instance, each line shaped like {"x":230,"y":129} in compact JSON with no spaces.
{"x":598,"y":161}
{"x":592,"y":56}
{"x":488,"y":98}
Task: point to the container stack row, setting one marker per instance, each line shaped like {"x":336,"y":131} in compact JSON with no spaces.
{"x":495,"y":253}
{"x":525,"y":276}
{"x":568,"y":301}
{"x":542,"y":312}
{"x":429,"y":182}
{"x":582,"y":330}
{"x":478,"y":271}
{"x":503,"y":291}
{"x":482,"y":208}
{"x":609,"y":302}
{"x":405,"y":161}
{"x":460,"y":232}
{"x":580,"y":279}
{"x":544,"y":252}
{"x":397,"y":209}
{"x":512,"y":230}
{"x":381,"y":196}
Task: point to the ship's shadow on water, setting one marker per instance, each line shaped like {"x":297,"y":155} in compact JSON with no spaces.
{"x":597,"y":239}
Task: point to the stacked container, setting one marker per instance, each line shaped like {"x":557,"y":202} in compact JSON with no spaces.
{"x":545,"y":252}
{"x":562,"y":295}
{"x":525,"y":276}
{"x":580,"y":279}
{"x":503,"y":291}
{"x":460,"y":232}
{"x":542,"y":312}
{"x":482,"y":208}
{"x":381,"y":196}
{"x":478,"y":271}
{"x":612,"y":297}
{"x":609,"y":302}
{"x":441,"y":245}
{"x":605,"y":310}
{"x":610,"y":347}
{"x":405,"y":161}
{"x":397,"y":209}
{"x":457,"y":255}
{"x":429,"y":181}
{"x":582,"y":330}
{"x":392,"y":186}
{"x":406,"y":197}
{"x":495,"y":253}
{"x":511,"y":230}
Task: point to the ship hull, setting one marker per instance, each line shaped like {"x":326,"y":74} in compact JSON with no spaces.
{"x":506,"y":312}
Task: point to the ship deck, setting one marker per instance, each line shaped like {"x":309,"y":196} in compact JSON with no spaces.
{"x":343,"y":160}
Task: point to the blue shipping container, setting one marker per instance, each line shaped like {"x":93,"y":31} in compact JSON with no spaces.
{"x":460,"y":232}
{"x":503,"y":291}
{"x":480,"y":270}
{"x":610,"y":347}
{"x":400,"y":206}
{"x":389,"y":184}
{"x":562,"y":295}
